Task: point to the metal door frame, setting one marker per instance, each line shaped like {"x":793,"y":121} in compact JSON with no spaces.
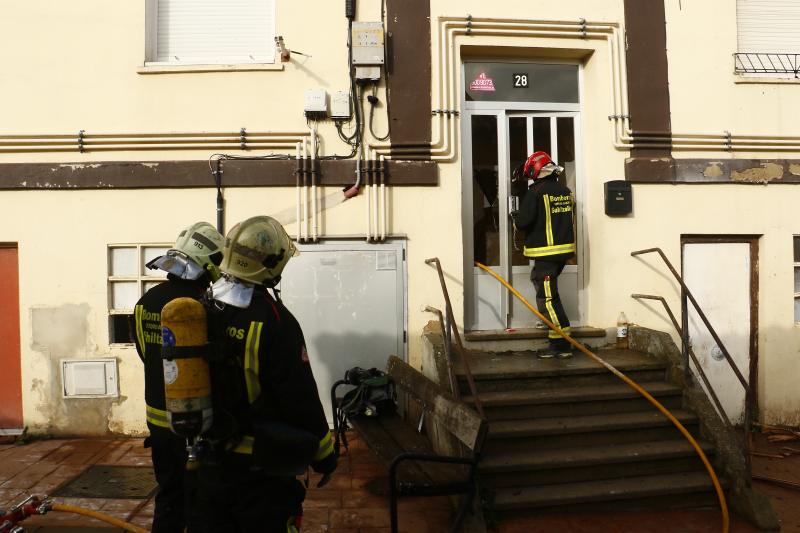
{"x":502,"y":111}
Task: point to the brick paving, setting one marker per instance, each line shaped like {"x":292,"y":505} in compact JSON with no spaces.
{"x":342,"y":506}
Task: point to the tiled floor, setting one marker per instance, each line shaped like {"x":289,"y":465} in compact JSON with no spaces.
{"x":345,"y":506}
{"x":342,"y":506}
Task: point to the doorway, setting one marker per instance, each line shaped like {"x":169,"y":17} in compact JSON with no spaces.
{"x":722,"y":273}
{"x":10,"y":377}
{"x":496,"y":142}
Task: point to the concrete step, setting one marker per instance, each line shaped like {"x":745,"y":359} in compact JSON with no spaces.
{"x":495,"y":372}
{"x":521,"y":339}
{"x":588,"y":431}
{"x":573,"y":401}
{"x":562,"y":496}
{"x":567,"y":465}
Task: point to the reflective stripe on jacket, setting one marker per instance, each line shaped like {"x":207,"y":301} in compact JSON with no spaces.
{"x":546,"y":217}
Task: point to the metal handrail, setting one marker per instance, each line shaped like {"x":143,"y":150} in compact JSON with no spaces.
{"x":767,"y":63}
{"x":703,"y":376}
{"x":452,"y":327}
{"x":700,"y":312}
{"x":687,"y":294}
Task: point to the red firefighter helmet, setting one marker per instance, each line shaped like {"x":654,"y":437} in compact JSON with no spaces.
{"x":535,"y":163}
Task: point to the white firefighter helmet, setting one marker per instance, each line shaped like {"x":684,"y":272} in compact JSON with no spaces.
{"x":198,"y":249}
{"x":257,"y":250}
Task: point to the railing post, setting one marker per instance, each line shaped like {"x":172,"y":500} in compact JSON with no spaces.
{"x":685,"y":334}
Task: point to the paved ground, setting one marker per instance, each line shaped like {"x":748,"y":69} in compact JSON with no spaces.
{"x":344,"y":506}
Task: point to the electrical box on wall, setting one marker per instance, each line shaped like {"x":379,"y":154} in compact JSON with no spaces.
{"x":89,"y":378}
{"x":316,"y":103}
{"x":340,"y":105}
{"x":367,"y":41}
{"x":619,"y":198}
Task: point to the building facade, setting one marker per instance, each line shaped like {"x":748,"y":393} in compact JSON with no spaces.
{"x":124,"y":122}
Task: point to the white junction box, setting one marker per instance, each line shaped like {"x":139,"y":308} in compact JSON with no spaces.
{"x":367,"y":39}
{"x":340,"y":105}
{"x":89,"y":378}
{"x":316,"y":103}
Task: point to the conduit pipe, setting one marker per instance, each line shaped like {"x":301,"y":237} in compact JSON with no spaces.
{"x":368,"y":197}
{"x":314,"y":177}
{"x":304,"y":224}
{"x":298,"y":173}
{"x":384,"y":218}
{"x":376,"y":207}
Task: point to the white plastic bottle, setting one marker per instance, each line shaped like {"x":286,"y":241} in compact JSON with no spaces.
{"x":622,"y":331}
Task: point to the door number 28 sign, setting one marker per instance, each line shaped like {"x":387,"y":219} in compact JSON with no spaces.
{"x":521,"y":80}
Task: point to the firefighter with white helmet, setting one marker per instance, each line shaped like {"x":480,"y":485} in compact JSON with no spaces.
{"x":546,"y":217}
{"x":277,"y":426}
{"x":191,"y":266}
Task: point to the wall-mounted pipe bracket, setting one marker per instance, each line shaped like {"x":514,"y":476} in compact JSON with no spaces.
{"x":728,"y":141}
{"x":469,"y":24}
{"x":583,"y":28}
{"x":81,"y":135}
{"x":243,"y":138}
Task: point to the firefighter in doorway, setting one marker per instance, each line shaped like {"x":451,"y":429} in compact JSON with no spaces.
{"x":269,"y":425}
{"x":546,"y":217}
{"x":191,"y":266}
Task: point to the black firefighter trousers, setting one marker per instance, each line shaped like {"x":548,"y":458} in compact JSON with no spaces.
{"x":544,"y":276}
{"x":175,"y":484}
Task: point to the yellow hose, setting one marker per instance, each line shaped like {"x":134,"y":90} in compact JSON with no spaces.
{"x":98,"y":515}
{"x":635,"y":386}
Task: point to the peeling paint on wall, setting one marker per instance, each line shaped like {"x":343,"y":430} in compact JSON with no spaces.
{"x":713,"y":170}
{"x":764,"y":173}
{"x":59,"y":333}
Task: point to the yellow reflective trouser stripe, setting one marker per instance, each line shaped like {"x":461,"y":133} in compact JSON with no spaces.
{"x":549,"y":250}
{"x":290,"y":527}
{"x":325,"y":447}
{"x":157,"y":417}
{"x":251,"y":361}
{"x":139,"y":331}
{"x":548,"y":222}
{"x":548,"y":293}
{"x":245,"y":445}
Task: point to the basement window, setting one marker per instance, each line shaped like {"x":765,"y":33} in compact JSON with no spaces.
{"x":209,"y":32}
{"x":797,"y":279}
{"x":128,"y":280}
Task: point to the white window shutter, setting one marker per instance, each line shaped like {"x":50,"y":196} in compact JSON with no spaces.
{"x":215,"y":31}
{"x":768,"y":26}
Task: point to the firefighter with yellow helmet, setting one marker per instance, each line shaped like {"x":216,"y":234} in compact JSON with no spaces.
{"x":191,"y":266}
{"x":271,"y":426}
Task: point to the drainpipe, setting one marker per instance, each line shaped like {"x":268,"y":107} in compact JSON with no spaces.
{"x":298,"y":173}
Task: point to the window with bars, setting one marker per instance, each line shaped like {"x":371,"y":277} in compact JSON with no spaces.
{"x":128,"y":280}
{"x":797,"y":279}
{"x":768,"y":40}
{"x":210,"y":32}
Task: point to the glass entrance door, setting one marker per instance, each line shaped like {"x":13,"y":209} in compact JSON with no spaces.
{"x":496,"y":144}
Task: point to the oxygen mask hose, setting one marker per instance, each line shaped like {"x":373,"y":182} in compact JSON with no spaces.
{"x":635,"y":386}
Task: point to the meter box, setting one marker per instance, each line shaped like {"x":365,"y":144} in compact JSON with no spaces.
{"x":340,"y":105}
{"x":367,"y":42}
{"x":619,"y":198}
{"x":316,"y":103}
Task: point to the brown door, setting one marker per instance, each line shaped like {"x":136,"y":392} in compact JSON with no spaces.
{"x":10,"y":375}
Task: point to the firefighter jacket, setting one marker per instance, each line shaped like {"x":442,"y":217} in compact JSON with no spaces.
{"x":546,"y":218}
{"x":146,"y":328}
{"x":265,"y":374}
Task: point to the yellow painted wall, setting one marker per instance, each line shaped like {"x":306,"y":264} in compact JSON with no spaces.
{"x":73,"y":66}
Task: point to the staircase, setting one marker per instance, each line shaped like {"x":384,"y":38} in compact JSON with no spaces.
{"x":568,"y":435}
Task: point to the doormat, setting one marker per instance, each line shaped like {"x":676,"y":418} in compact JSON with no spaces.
{"x":115,"y":482}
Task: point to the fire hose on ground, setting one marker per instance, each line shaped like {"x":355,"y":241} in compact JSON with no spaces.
{"x":635,"y":386}
{"x":34,"y":505}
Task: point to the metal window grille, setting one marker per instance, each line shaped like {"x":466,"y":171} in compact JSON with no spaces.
{"x":767,"y":63}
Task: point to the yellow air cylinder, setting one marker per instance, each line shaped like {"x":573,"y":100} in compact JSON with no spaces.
{"x":187,"y":382}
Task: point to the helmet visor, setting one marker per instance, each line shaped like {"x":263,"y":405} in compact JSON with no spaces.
{"x":232,"y":291}
{"x":178,"y":264}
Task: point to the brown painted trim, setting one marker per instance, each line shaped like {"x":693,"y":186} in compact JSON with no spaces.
{"x":408,"y":41}
{"x":747,"y":171}
{"x":648,"y":75}
{"x":194,"y":174}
